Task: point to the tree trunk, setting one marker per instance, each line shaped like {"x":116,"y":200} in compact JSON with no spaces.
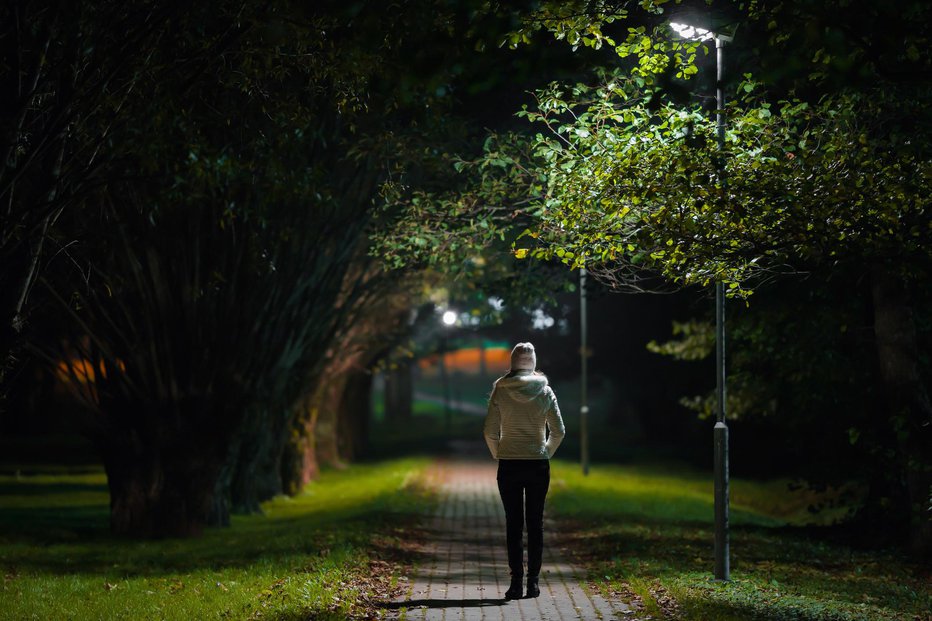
{"x":910,"y":411}
{"x":255,"y":469}
{"x":399,"y":393}
{"x":220,"y":507}
{"x":353,"y":418}
{"x":327,"y":427}
{"x":299,"y":459}
{"x":161,"y":491}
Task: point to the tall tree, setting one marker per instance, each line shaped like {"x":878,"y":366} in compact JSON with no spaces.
{"x":68,"y":71}
{"x":229,"y":221}
{"x":220,"y":255}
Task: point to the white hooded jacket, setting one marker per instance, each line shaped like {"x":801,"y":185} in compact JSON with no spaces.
{"x":521,"y":409}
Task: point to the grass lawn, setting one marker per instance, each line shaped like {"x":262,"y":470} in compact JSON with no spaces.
{"x":646,"y":533}
{"x":320,"y":555}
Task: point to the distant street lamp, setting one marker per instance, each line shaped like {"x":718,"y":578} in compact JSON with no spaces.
{"x":720,"y":433}
{"x":448,"y":318}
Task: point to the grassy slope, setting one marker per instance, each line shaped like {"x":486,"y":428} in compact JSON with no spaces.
{"x":647,"y":532}
{"x":306,"y":558}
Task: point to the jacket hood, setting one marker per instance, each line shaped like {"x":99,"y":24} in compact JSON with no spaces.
{"x":522,"y":387}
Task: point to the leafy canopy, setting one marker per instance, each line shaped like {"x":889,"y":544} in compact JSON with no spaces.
{"x":628,"y":181}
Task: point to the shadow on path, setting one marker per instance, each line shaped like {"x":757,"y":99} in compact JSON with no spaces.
{"x":443,"y":603}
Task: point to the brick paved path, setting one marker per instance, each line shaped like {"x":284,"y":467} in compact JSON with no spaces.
{"x":463,"y":574}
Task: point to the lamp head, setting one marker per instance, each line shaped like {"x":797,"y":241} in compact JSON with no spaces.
{"x":701,"y":27}
{"x":691,"y":33}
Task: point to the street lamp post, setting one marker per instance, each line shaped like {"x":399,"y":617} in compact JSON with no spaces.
{"x":720,"y":432}
{"x":721,"y":475}
{"x":449,"y":319}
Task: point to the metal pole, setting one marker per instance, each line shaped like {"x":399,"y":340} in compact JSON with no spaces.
{"x":445,"y":380}
{"x":720,"y":433}
{"x":583,"y":374}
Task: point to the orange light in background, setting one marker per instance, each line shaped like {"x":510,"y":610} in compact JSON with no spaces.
{"x":82,"y":371}
{"x":497,"y":360}
{"x":464,"y":360}
{"x":468,"y":361}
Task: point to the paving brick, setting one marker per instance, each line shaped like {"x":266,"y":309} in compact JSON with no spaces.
{"x":463,"y":574}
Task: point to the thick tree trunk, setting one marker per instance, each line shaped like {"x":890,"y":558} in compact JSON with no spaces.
{"x":299,"y":460}
{"x":910,"y":411}
{"x":255,"y":462}
{"x":353,"y":418}
{"x":326,"y":430}
{"x":161,"y":491}
{"x":220,"y":507}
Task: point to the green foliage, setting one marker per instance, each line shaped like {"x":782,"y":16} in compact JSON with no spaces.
{"x":633,"y":31}
{"x":696,"y":341}
{"x":625,"y":178}
{"x":308,"y":557}
{"x":647,"y":532}
{"x":630,"y":186}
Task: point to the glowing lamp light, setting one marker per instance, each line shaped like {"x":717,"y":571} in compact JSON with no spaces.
{"x":449,"y":318}
{"x":691,"y":33}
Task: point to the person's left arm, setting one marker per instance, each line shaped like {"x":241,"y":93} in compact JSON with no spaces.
{"x":555,"y":423}
{"x":493,"y":426}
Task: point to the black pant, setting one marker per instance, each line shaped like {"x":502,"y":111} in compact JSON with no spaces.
{"x":523,"y":483}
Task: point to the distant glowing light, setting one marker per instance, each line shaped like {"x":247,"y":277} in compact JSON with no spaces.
{"x":541,"y":320}
{"x":449,"y":318}
{"x":691,"y":32}
{"x":496,"y":303}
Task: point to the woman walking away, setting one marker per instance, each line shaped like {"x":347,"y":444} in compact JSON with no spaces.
{"x":521,"y":410}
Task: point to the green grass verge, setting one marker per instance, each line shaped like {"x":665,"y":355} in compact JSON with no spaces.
{"x":646,"y":532}
{"x":311,"y":556}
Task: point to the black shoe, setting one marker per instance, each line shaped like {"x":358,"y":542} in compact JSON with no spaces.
{"x":514,"y":591}
{"x":532,"y":589}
